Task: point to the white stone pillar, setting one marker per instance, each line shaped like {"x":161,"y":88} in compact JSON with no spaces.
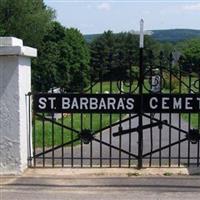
{"x":15,"y":83}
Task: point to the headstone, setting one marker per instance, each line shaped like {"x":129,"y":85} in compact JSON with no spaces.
{"x":155,"y":82}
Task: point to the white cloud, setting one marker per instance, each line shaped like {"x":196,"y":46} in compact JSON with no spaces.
{"x":104,"y":6}
{"x":192,"y":7}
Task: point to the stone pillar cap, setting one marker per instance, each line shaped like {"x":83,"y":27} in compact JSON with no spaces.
{"x":11,"y":46}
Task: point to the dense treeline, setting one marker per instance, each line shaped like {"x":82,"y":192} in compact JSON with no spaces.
{"x":114,"y":55}
{"x":190,"y":50}
{"x":65,"y":60}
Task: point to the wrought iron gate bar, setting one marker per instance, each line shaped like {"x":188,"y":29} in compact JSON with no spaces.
{"x":167,"y":124}
{"x":72,"y":138}
{"x":55,"y":148}
{"x":117,"y":158}
{"x":198,"y":146}
{"x":34,"y":141}
{"x":179,"y":120}
{"x":115,"y":124}
{"x":151,"y":122}
{"x":43,"y":139}
{"x":114,"y":147}
{"x":151,"y":125}
{"x":91,"y":120}
{"x":189,"y":119}
{"x":164,"y":147}
{"x":62,"y":139}
{"x":54,"y":122}
{"x":161,"y":58}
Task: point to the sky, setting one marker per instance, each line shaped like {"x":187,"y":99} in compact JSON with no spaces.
{"x":96,"y":16}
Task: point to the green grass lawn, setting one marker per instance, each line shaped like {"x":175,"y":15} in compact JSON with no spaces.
{"x":110,"y":86}
{"x":74,"y":121}
{"x":175,"y":88}
{"x":184,"y":84}
{"x":195,"y":119}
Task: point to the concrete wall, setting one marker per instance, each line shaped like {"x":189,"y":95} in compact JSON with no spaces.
{"x":15,"y":83}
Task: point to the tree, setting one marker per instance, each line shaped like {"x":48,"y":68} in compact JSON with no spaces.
{"x":63,"y":61}
{"x":26,"y":19}
{"x":77,"y":53}
{"x":45,"y":67}
{"x":102,"y":53}
{"x":115,"y":54}
{"x":126,"y":54}
{"x":191,"y":54}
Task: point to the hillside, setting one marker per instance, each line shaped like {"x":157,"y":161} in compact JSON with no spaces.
{"x":91,"y":37}
{"x":170,"y":35}
{"x":175,"y":35}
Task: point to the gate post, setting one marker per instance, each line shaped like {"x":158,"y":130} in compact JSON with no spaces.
{"x":15,"y":83}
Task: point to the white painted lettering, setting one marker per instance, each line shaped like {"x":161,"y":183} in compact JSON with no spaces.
{"x":84,"y":103}
{"x":93,"y":103}
{"x":74,"y":104}
{"x":164,"y":103}
{"x":52,"y":99}
{"x":42,"y":103}
{"x":102,"y":104}
{"x":177,"y":103}
{"x":153,"y":103}
{"x":188,"y":103}
{"x":120,"y":104}
{"x":111,"y":103}
{"x":65,"y":103}
{"x":130,"y":104}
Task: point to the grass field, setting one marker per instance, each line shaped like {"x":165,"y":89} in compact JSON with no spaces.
{"x":73,"y":121}
{"x":110,"y":86}
{"x":176,"y":86}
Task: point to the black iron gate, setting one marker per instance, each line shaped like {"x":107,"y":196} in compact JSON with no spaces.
{"x":139,"y":137}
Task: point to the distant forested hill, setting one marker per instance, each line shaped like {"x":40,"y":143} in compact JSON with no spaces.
{"x":91,"y":37}
{"x":175,"y":35}
{"x":170,"y":35}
